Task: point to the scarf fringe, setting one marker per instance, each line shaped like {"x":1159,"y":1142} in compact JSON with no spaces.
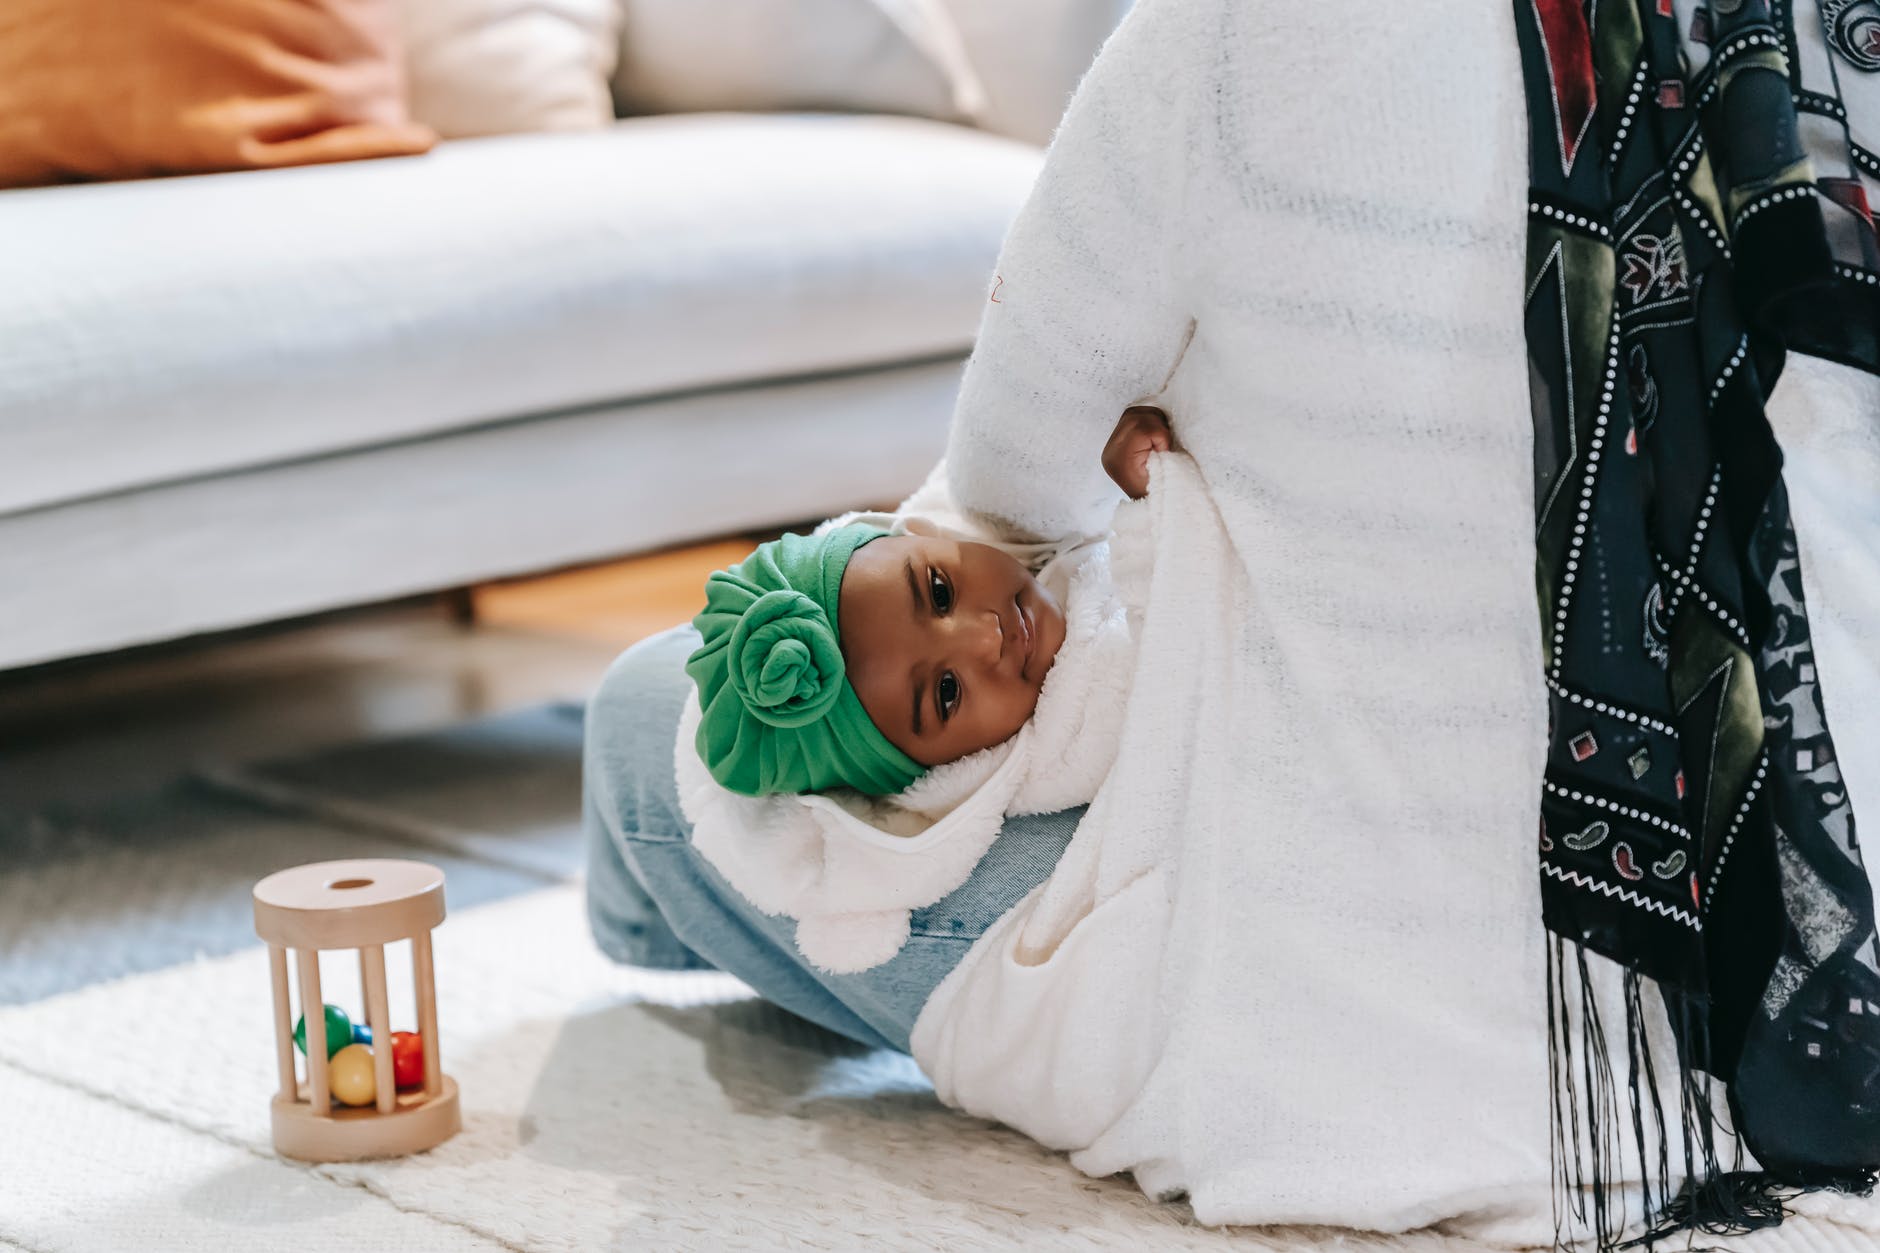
{"x":1591,"y":1121}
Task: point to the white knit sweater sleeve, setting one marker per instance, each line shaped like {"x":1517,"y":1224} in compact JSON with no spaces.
{"x":1087,"y":311}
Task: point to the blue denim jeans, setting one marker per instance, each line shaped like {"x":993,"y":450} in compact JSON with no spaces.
{"x":653,"y":901}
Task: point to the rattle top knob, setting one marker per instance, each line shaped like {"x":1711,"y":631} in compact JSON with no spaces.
{"x":349,"y":904}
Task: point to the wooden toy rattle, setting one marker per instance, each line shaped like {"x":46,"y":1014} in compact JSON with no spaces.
{"x":363,"y":905}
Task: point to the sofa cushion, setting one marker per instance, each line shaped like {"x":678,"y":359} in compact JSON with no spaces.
{"x":154,"y":331}
{"x":305,"y":536}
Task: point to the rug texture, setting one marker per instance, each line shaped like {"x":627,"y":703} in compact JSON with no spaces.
{"x":605,"y":1108}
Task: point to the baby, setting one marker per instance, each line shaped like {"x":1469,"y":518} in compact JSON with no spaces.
{"x":858,"y":658}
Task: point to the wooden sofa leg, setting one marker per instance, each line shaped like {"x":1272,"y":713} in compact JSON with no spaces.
{"x":461,"y":604}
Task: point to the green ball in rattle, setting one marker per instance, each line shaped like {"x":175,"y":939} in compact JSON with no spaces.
{"x":339,"y":1031}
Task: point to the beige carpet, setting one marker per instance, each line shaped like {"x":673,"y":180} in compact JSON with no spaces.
{"x":605,"y":1109}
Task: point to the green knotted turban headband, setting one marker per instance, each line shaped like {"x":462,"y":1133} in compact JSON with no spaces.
{"x":780,"y":715}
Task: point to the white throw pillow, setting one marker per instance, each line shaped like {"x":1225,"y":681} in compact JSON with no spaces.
{"x":1029,"y":55}
{"x":872,"y":56}
{"x":1006,"y":65}
{"x":495,"y":67}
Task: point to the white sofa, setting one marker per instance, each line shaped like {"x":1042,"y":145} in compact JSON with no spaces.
{"x":234,"y":398}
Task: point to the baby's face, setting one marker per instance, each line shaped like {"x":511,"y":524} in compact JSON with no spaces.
{"x":946,"y":643}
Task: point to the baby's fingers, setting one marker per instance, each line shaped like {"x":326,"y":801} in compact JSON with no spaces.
{"x":1135,"y":483}
{"x":1140,"y":432}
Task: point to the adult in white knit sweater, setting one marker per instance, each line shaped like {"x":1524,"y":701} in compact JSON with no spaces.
{"x":1299,"y":229}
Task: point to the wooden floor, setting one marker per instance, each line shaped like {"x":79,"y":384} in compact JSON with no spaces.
{"x":137,"y":719}
{"x":613,"y":604}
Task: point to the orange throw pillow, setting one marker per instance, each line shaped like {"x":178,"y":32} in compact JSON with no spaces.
{"x":95,"y":89}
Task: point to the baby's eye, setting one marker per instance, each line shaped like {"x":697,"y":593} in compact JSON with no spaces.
{"x":947,"y":692}
{"x":942,"y":594}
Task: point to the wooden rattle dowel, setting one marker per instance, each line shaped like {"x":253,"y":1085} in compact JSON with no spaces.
{"x":313,"y":1013}
{"x":426,"y":979}
{"x":379,"y":1018}
{"x":283,"y":1023}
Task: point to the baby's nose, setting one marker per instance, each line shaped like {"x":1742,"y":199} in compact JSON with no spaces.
{"x":991,"y":642}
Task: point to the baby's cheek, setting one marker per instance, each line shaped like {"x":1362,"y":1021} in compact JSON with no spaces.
{"x":998,"y":720}
{"x":1024,"y":703}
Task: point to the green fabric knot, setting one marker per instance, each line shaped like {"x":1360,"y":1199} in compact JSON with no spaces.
{"x":789,"y":667}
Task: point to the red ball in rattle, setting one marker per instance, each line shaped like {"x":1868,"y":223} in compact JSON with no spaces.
{"x":407,"y":1059}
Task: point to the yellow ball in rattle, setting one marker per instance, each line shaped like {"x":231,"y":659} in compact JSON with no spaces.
{"x":351,"y":1076}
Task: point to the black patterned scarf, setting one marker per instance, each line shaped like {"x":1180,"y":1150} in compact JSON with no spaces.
{"x":1699,"y":207}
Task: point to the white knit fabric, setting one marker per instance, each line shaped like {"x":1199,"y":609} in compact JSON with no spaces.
{"x":1313,"y":220}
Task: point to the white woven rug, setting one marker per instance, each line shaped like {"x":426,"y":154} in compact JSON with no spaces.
{"x":604,"y":1109}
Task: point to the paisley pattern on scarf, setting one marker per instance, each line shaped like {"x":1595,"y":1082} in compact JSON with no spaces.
{"x":1698,"y":207}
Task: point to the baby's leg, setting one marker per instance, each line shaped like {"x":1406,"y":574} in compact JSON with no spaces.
{"x":628,"y":793}
{"x":653,"y":900}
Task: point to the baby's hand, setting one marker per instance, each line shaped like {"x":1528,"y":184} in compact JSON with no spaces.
{"x":1141,"y":430}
